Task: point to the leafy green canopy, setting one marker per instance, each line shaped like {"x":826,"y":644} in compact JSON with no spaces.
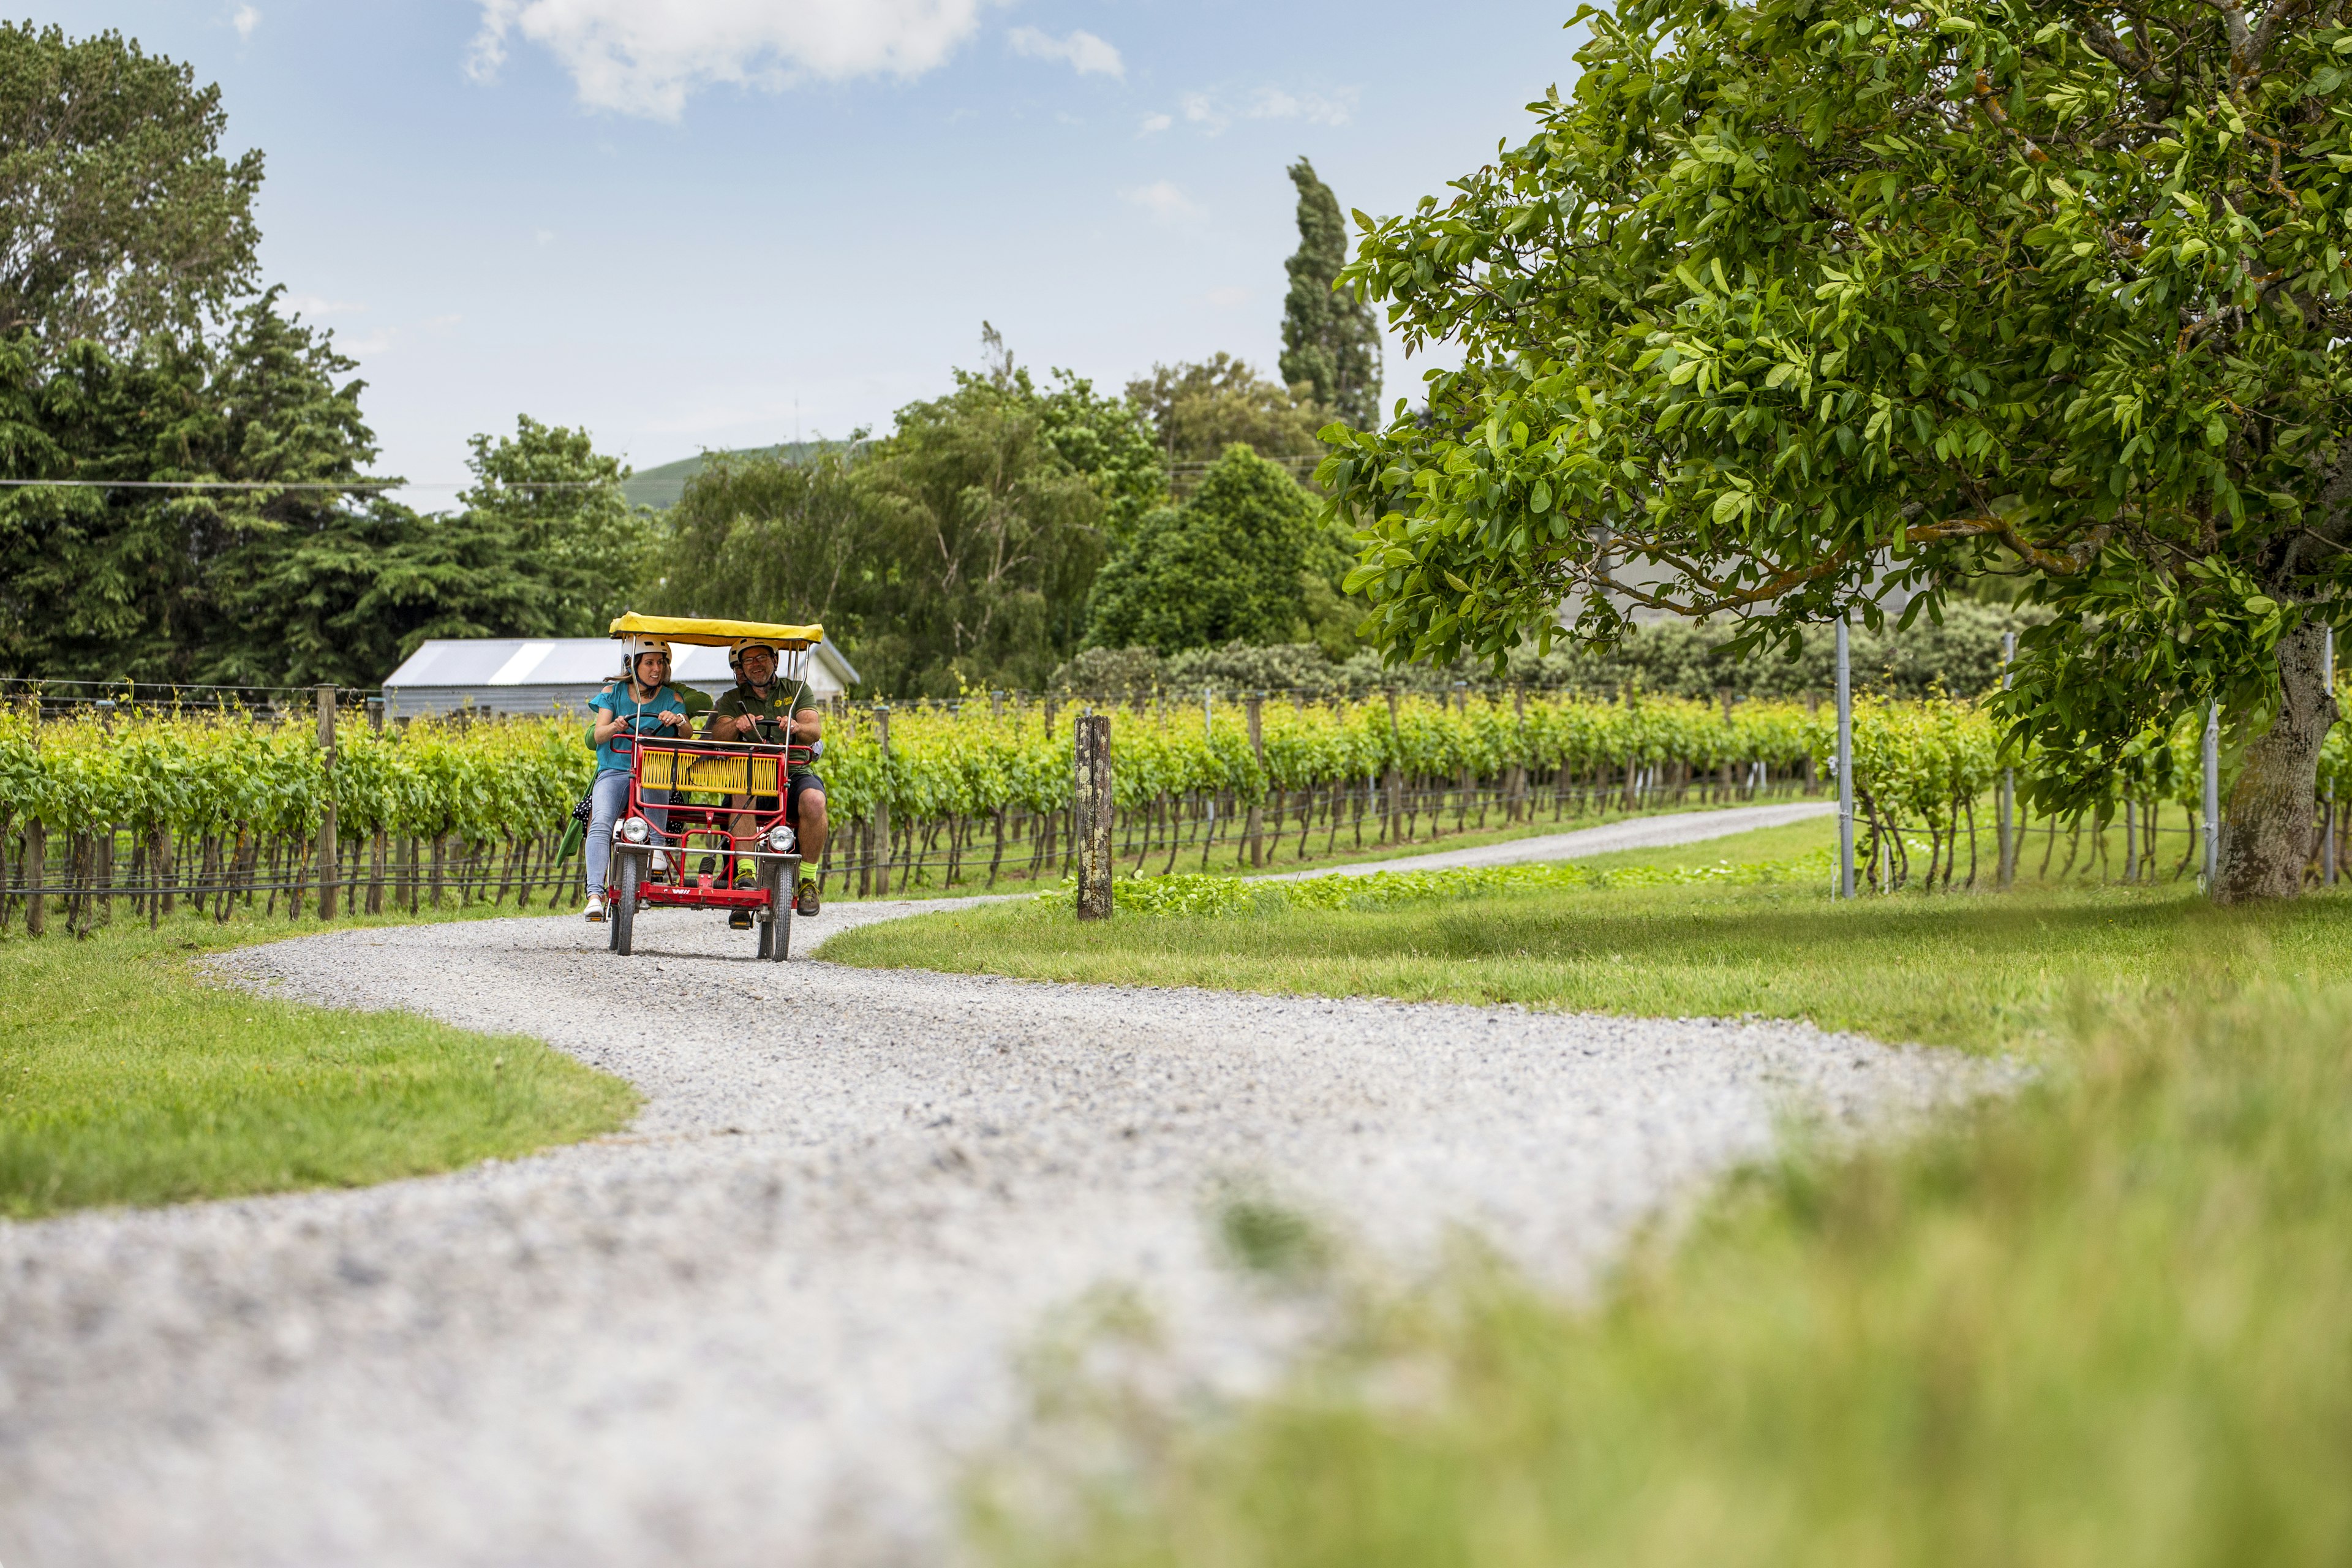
{"x":956,"y":550}
{"x":1791,"y":304}
{"x":1331,"y":341}
{"x":273,"y":585}
{"x":1228,"y":564}
{"x":1198,"y":409}
{"x":117,"y":215}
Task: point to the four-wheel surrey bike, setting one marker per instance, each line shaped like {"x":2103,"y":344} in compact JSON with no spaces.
{"x":688,"y":798}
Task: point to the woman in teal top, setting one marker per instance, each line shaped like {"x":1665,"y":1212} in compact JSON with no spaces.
{"x":644,"y":703}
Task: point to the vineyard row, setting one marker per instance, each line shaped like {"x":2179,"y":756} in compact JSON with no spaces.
{"x":160,"y":807}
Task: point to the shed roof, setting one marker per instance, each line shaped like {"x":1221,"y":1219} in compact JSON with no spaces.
{"x":563,"y":661}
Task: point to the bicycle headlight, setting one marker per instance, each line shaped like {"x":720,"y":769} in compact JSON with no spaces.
{"x":779,"y":840}
{"x":636,"y":830}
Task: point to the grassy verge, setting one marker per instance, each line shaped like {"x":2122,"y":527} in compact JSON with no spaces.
{"x":1283,"y":853}
{"x":124,"y":1080}
{"x":2102,"y":1322}
{"x":1974,"y":971}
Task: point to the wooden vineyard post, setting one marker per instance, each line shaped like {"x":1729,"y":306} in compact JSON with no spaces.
{"x":2005,"y":865}
{"x":1518,"y":807}
{"x":2212,"y":795}
{"x":1844,"y":761}
{"x":1209,"y":738}
{"x":2327,"y":678}
{"x":327,"y":862}
{"x":881,"y":855}
{"x":1723,"y":694}
{"x":1254,"y":829}
{"x":1396,"y":774}
{"x":36,"y":848}
{"x":1091,"y":793}
{"x":379,"y":845}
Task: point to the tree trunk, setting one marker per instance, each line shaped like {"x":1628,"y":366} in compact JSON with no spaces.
{"x":2267,"y":839}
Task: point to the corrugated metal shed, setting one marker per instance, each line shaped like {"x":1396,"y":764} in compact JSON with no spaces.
{"x":549,"y":675}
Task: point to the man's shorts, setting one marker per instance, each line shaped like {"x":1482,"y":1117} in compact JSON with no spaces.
{"x":799,"y":787}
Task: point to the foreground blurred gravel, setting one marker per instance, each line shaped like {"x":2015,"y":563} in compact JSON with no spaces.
{"x":760,"y":1327}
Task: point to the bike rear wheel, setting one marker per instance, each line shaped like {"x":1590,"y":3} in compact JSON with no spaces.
{"x":623,"y":911}
{"x":777,"y":942}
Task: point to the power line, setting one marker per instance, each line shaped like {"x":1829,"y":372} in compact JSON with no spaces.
{"x":293,"y":485}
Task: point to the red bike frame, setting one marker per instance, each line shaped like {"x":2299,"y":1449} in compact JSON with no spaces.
{"x":745,"y":772}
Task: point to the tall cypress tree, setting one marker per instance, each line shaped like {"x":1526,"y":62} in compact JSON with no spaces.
{"x":1330,"y":341}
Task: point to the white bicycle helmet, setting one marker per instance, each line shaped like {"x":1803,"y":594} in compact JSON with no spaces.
{"x":631,"y":648}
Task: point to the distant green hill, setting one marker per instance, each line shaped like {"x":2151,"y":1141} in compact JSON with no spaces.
{"x":660,"y":488}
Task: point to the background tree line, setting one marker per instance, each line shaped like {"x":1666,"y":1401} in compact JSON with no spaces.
{"x":987,"y":537}
{"x":1016,"y":530}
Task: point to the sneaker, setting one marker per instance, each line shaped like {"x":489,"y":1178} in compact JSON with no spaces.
{"x":659,"y":868}
{"x":805,"y":900}
{"x":708,"y":867}
{"x":596,"y":910}
{"x":741,"y":918}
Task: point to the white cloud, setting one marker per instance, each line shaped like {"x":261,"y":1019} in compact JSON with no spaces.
{"x":1166,"y":204}
{"x":246,"y":20}
{"x":1267,"y":103}
{"x":314,"y":306}
{"x":1087,"y":55}
{"x":1231,"y":295}
{"x":1155,"y":124}
{"x":643,"y":56}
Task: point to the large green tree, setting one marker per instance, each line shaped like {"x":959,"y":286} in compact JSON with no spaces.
{"x":560,"y":505}
{"x":1198,"y":409}
{"x":992,"y":534}
{"x":146,"y":584}
{"x":1331,"y":341}
{"x":118,"y":214}
{"x":294,"y":570}
{"x":762,"y":536}
{"x":1232,"y":562}
{"x":1791,"y":305}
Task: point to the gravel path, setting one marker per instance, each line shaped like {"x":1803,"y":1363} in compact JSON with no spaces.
{"x":758,"y":1327}
{"x":1639,"y":832}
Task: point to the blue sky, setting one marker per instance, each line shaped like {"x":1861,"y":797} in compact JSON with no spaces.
{"x":712,"y":222}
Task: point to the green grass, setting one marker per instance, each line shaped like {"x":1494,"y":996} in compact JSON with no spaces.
{"x":2104,"y":1321}
{"x":2103,"y":1324}
{"x":1978,"y":972}
{"x":125,"y":1080}
{"x":1282,"y":849}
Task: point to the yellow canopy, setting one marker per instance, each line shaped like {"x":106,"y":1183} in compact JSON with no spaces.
{"x":713,"y":634}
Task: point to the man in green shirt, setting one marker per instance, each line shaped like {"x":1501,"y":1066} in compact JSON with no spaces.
{"x":763,"y":711}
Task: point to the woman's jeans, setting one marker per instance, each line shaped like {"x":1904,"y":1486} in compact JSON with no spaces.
{"x":609,"y":801}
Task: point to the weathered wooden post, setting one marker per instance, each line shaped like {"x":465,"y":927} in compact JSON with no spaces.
{"x":1396,"y":774}
{"x":1845,"y":761}
{"x":2212,"y":794}
{"x":1209,"y":735}
{"x":2327,"y":678}
{"x":36,"y":849}
{"x":1723,"y":694}
{"x":378,"y":845}
{"x":1518,"y":808}
{"x":881,"y":855}
{"x":2005,"y":871}
{"x":327,"y":807}
{"x":1253,"y":829}
{"x":1091,"y":793}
